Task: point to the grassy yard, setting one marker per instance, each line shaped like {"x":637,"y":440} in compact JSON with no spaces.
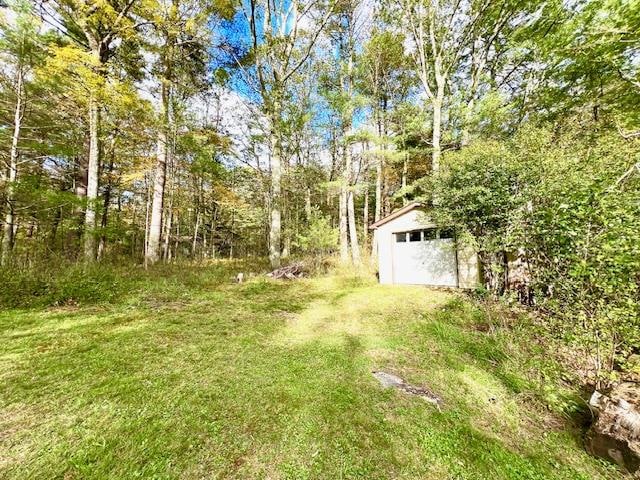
{"x":184,"y":374}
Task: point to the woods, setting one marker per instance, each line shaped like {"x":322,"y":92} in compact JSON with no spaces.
{"x":144,"y":132}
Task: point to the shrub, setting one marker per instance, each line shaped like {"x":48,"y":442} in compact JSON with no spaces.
{"x":320,"y":238}
{"x":563,"y":201}
{"x":62,"y":285}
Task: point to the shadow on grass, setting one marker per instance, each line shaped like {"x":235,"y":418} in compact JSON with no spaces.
{"x":203,"y":390}
{"x":506,"y":356}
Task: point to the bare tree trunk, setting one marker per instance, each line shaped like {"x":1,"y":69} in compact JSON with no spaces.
{"x":344,"y":238}
{"x":351,"y":215}
{"x":134,"y":239}
{"x":194,"y":243}
{"x":286,"y":233}
{"x":92,"y":180}
{"x":437,"y":127}
{"x":353,"y":232}
{"x":168,"y":224}
{"x":405,"y":168}
{"x":378,"y":206}
{"x":177,"y":242}
{"x":9,"y":219}
{"x":275,"y":230}
{"x":365,"y":218}
{"x":146,"y":218}
{"x":105,"y":206}
{"x":155,"y":226}
{"x":214,"y":218}
{"x":377,"y":214}
{"x":167,"y":233}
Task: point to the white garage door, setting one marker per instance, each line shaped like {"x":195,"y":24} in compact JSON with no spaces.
{"x":425,"y":257}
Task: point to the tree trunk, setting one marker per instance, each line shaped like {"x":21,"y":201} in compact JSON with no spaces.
{"x":105,"y":207}
{"x":194,"y":243}
{"x":353,"y":232}
{"x":9,"y":219}
{"x":377,"y":214}
{"x":344,"y":235}
{"x":155,"y":225}
{"x":177,"y":242}
{"x":275,"y":230}
{"x":92,"y":179}
{"x":351,"y":215}
{"x":378,"y":207}
{"x":167,"y":233}
{"x":405,"y":169}
{"x":146,"y":217}
{"x":73,"y":239}
{"x":365,"y":218}
{"x":168,"y":224}
{"x":437,"y":126}
{"x":214,"y":219}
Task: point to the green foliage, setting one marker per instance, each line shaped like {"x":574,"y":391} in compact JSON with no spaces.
{"x":591,"y":61}
{"x":63,"y":285}
{"x":320,"y":238}
{"x":571,"y":202}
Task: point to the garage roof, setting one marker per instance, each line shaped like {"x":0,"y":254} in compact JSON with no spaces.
{"x":396,"y":214}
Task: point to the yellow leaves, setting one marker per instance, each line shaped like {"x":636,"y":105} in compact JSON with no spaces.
{"x":191,"y":26}
{"x":225,"y":196}
{"x":74,"y":69}
{"x":79,"y":74}
{"x":143,"y":165}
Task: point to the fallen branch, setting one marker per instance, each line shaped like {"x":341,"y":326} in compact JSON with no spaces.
{"x":290,"y":272}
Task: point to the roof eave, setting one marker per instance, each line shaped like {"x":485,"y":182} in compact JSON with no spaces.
{"x":396,"y":214}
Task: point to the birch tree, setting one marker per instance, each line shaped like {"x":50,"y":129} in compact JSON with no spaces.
{"x":440,"y":34}
{"x":181,"y":36}
{"x":344,"y":34}
{"x":384,"y":79}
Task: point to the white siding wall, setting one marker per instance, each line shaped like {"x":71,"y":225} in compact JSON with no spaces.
{"x":411,"y":220}
{"x":468,"y":275}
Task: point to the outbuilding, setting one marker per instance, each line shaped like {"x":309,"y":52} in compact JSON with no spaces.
{"x":413,"y":250}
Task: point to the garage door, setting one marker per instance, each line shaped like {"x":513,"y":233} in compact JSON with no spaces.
{"x":425,"y":257}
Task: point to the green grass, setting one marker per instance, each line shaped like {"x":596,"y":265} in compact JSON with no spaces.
{"x":185,"y":374}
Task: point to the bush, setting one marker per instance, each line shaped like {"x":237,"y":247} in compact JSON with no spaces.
{"x":62,"y":285}
{"x":563,"y":201}
{"x":320,"y":238}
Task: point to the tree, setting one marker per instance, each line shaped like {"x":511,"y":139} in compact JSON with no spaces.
{"x":100,"y":30}
{"x":444,"y":36}
{"x":385,"y":79}
{"x":280,"y":44}
{"x":588,"y":63}
{"x":180,"y":28}
{"x":22,"y":45}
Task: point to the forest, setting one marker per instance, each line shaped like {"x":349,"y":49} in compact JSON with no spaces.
{"x":144,"y":138}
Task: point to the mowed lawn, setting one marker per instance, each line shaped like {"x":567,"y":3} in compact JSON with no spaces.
{"x":188,"y":375}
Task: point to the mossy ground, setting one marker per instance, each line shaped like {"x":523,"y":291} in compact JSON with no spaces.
{"x":185,"y":374}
